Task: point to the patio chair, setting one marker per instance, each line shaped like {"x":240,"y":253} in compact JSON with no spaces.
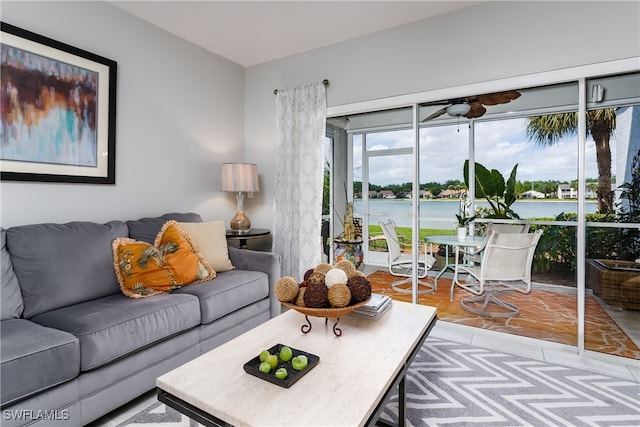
{"x":503,"y":227}
{"x":505,"y":266}
{"x":400,"y":264}
{"x":473,"y":254}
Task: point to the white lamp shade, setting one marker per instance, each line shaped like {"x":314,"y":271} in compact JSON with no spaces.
{"x":458,"y":109}
{"x":239,"y":177}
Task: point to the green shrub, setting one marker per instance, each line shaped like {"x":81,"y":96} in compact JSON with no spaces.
{"x":557,"y":247}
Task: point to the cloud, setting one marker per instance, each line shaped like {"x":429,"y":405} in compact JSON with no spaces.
{"x":499,"y":145}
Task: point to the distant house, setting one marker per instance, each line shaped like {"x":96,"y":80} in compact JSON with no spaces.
{"x":373,"y":194}
{"x":425,"y":194}
{"x":565,"y":191}
{"x":450,"y":194}
{"x":532,"y":194}
{"x":386,"y":194}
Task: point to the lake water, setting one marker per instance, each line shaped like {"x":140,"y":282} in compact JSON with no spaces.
{"x":440,"y":214}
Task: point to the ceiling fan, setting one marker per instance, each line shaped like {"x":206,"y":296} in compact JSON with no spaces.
{"x":471,"y":107}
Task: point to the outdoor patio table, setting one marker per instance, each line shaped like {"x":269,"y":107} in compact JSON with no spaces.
{"x":447,"y":240}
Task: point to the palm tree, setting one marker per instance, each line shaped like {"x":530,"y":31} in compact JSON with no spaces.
{"x":549,"y":129}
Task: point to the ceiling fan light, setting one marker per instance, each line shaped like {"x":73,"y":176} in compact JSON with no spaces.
{"x":456,"y":110}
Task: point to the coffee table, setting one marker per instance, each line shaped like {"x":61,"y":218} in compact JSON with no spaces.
{"x":356,"y":374}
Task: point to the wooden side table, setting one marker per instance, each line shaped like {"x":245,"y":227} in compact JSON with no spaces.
{"x":254,"y":233}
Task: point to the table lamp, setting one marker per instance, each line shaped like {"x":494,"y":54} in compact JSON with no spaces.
{"x":240,"y":178}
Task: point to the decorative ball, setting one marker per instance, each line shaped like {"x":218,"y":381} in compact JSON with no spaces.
{"x":316,"y":277}
{"x":339,"y":295}
{"x":286,"y":289}
{"x":307,"y":273}
{"x":300,"y":297}
{"x":347,"y":267}
{"x":335,"y":276}
{"x":323,"y":268}
{"x":316,"y":295}
{"x":360,"y":288}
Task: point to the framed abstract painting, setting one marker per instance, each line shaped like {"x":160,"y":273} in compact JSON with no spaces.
{"x":58,"y":111}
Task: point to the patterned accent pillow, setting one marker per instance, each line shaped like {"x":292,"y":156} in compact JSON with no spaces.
{"x":173,"y":261}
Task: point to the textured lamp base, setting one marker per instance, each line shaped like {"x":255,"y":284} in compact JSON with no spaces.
{"x":240,"y":222}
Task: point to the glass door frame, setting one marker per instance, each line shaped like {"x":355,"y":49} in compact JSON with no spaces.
{"x":578,"y":74}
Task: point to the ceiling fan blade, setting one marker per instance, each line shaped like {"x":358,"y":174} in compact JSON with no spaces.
{"x":498,"y":97}
{"x":477,"y":110}
{"x":436,"y":114}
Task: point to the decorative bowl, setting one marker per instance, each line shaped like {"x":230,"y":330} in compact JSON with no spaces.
{"x":325,"y":312}
{"x":336,"y":313}
{"x":253,"y":367}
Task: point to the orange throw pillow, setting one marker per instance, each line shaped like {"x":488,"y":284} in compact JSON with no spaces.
{"x":173,"y":261}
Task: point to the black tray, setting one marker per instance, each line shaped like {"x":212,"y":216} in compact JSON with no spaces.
{"x":252,"y":367}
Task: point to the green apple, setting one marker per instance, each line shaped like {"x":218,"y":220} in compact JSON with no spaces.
{"x":263,"y":355}
{"x":264,"y":367}
{"x":299,"y":362}
{"x":272,"y":360}
{"x":285,"y":353}
{"x":281,"y":373}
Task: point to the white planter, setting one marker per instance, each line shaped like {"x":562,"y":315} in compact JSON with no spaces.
{"x":461,"y":233}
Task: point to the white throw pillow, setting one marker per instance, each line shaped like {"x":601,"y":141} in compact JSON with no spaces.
{"x":211,"y":238}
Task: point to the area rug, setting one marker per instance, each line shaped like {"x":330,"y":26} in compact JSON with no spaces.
{"x":544,"y":314}
{"x":450,"y":383}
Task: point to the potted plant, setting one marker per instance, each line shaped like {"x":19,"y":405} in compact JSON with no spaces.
{"x":499,"y":193}
{"x":463,"y":223}
{"x":463,"y":216}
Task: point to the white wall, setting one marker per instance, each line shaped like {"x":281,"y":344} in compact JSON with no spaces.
{"x":180,"y":114}
{"x":488,"y":42}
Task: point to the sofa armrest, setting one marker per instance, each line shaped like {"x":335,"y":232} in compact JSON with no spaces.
{"x":266,"y":262}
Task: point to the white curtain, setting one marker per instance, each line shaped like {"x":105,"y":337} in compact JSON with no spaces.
{"x":300,"y":129}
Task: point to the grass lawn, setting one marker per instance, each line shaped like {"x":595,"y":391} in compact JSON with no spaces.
{"x":405,"y":232}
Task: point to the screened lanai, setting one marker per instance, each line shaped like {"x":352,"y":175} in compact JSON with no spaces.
{"x":407,"y":164}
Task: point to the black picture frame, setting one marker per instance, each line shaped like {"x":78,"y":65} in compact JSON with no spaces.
{"x":58,"y":111}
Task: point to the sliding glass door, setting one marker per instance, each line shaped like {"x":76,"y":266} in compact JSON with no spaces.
{"x":385,"y":189}
{"x":580,"y":188}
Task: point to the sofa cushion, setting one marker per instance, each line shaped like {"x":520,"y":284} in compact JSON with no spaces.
{"x":211,"y":238}
{"x":146,"y":229}
{"x":34,"y":358}
{"x":114,"y":326}
{"x":11,"y":301}
{"x":230,"y":291}
{"x":173,"y":261}
{"x":63,"y":264}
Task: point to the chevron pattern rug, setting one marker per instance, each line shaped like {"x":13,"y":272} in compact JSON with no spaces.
{"x":454,"y":384}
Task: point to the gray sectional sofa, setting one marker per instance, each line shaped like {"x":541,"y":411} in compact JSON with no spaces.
{"x":73,"y":347}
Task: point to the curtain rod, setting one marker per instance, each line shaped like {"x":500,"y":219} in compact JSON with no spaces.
{"x":324,"y":82}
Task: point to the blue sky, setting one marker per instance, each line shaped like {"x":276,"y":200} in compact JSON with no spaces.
{"x":499,"y":145}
